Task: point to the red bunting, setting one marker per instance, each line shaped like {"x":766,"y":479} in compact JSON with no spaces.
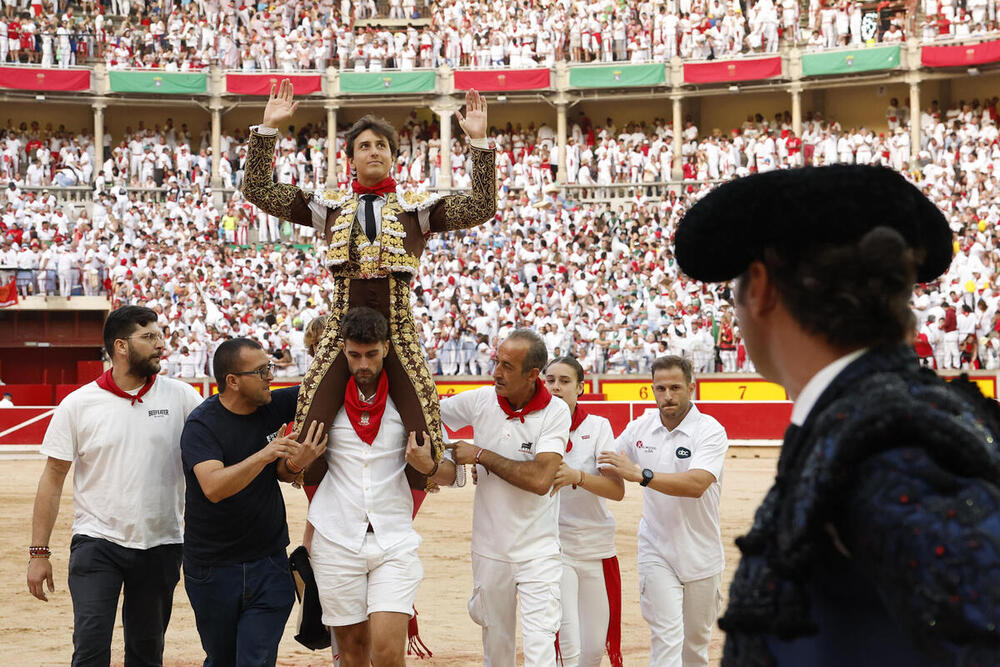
{"x":963,"y":55}
{"x":43,"y":78}
{"x":720,"y":71}
{"x":260,"y":84}
{"x":503,"y":79}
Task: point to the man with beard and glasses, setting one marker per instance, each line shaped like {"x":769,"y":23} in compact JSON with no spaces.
{"x":122,"y":432}
{"x":364,"y":549}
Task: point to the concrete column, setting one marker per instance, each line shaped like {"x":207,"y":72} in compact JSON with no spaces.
{"x":444,"y":177}
{"x":914,"y":119}
{"x":561,"y":133}
{"x":216,"y":144}
{"x":797,"y":110}
{"x":678,"y":123}
{"x":331,"y":147}
{"x":98,"y":137}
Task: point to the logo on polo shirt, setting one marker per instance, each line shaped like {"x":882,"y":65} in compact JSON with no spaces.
{"x":638,"y":444}
{"x":586,"y":437}
{"x":526,"y":446}
{"x":159,"y":414}
{"x":683,"y":453}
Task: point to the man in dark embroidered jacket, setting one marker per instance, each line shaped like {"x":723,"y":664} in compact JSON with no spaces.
{"x":879,"y":543}
{"x":375,"y":237}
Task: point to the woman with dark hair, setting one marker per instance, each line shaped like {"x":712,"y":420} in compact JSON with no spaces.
{"x":591,"y":582}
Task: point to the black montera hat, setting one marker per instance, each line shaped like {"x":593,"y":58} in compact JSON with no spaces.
{"x":797,"y":211}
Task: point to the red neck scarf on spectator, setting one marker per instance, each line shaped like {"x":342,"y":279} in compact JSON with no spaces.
{"x":539,"y":401}
{"x":385,"y":186}
{"x":107,"y":382}
{"x":579,"y":414}
{"x":366,"y":418}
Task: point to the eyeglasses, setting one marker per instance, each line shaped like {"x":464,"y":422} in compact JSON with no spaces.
{"x":148,"y":337}
{"x":263,"y":372}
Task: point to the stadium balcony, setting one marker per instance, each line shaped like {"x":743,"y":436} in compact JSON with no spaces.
{"x":841,"y":78}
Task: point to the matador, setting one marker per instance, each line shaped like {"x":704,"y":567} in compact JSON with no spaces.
{"x":375,"y":234}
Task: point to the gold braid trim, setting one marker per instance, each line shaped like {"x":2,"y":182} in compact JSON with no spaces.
{"x":417,"y":201}
{"x":326,"y":350}
{"x":351,"y":252}
{"x":258,"y":186}
{"x":340,"y":234}
{"x":403,"y":333}
{"x":464,"y":211}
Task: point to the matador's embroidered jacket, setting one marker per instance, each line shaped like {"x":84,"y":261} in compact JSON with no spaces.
{"x":375,"y":274}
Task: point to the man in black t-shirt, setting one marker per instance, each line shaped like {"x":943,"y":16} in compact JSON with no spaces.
{"x":234,"y":452}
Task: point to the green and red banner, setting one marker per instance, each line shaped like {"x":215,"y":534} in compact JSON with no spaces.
{"x":375,"y":83}
{"x":725,"y":71}
{"x":848,"y":62}
{"x":963,"y":55}
{"x":44,"y":78}
{"x":260,"y":84}
{"x":496,"y":80}
{"x":621,"y":76}
{"x":159,"y":82}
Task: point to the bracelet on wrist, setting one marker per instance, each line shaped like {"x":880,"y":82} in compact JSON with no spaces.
{"x":582,"y":475}
{"x":478,"y":454}
{"x":39,"y":552}
{"x":437,"y":464}
{"x":292,"y":469}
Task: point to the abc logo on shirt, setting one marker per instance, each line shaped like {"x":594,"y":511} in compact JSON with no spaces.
{"x":683,"y":453}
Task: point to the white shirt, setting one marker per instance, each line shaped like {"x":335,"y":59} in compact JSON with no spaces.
{"x":683,"y":532}
{"x":365,"y":484}
{"x":508,"y":523}
{"x":586,"y":527}
{"x":810,"y":393}
{"x":128,"y":483}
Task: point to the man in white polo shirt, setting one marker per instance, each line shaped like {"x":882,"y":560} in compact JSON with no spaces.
{"x":364,"y":548}
{"x":676,"y":453}
{"x":123,"y":433}
{"x":521,"y":432}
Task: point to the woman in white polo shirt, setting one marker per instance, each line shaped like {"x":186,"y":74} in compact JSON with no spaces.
{"x":591,"y":582}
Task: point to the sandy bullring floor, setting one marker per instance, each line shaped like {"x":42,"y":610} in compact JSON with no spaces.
{"x":37,"y":633}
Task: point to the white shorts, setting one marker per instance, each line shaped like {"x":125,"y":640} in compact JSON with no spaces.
{"x":352,"y":586}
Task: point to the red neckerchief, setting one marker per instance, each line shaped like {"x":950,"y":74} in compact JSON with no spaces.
{"x":107,"y":383}
{"x":579,"y":414}
{"x":538,"y":402}
{"x":366,"y":418}
{"x":385,"y":186}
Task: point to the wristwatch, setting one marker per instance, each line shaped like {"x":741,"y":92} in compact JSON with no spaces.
{"x":647,"y":477}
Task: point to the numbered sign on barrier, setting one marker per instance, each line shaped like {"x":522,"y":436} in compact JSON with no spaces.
{"x":740,"y":390}
{"x":627,"y":390}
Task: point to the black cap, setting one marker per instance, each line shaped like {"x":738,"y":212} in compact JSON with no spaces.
{"x":797,"y":211}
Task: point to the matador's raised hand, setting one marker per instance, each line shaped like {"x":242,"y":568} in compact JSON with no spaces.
{"x":474,"y":121}
{"x":280,"y":107}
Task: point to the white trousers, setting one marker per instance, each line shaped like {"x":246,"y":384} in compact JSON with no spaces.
{"x":728,"y":360}
{"x":497,"y":587}
{"x":680,"y":615}
{"x":585,"y":616}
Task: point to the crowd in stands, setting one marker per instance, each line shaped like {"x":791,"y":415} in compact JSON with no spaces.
{"x":290,"y":36}
{"x":596,"y":278}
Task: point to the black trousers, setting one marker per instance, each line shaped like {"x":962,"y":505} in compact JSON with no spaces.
{"x":98,"y":570}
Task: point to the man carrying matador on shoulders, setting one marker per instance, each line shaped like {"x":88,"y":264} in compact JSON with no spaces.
{"x":375,"y":235}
